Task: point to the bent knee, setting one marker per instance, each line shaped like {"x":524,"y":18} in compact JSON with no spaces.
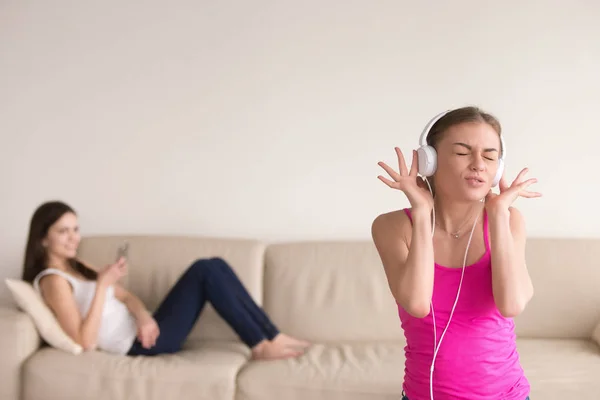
{"x":220,"y":262}
{"x":204,"y":265}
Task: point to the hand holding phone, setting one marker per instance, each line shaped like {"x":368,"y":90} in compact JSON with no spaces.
{"x":123,"y":251}
{"x":112,"y":273}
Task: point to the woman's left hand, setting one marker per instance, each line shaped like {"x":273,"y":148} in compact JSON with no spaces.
{"x":148,"y":332}
{"x":508,"y":194}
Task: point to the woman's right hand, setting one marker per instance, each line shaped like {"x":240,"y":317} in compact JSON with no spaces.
{"x":412,"y":185}
{"x":112,"y":273}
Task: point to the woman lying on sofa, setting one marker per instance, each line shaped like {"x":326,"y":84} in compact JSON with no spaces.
{"x":97,"y":312}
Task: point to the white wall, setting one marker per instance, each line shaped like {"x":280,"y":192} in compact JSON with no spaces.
{"x":267,"y":119}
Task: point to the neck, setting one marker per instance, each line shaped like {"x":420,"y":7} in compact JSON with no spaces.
{"x":455,"y":217}
{"x":57,"y":262}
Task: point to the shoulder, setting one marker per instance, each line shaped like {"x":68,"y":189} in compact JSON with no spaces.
{"x":54,"y":282}
{"x":54,"y":288}
{"x":394,"y":222}
{"x":392,"y":218}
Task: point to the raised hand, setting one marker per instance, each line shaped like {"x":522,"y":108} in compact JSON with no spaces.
{"x":413,"y":186}
{"x":112,"y":273}
{"x":508,"y":194}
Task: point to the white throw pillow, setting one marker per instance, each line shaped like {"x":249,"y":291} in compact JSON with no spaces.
{"x":48,"y":327}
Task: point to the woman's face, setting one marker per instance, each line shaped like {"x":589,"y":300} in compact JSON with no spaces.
{"x":467,"y":157}
{"x":63,"y":238}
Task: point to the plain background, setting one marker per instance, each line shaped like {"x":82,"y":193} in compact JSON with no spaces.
{"x":266,"y":119}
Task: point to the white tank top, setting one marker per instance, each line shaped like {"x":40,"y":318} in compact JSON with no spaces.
{"x":118,"y":328}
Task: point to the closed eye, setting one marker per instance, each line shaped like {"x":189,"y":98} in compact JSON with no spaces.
{"x":466,"y":154}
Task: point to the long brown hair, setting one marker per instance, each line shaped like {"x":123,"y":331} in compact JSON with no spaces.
{"x":36,"y":257}
{"x":456,"y":117}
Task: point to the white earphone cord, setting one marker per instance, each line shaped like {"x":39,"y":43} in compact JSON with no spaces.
{"x":436,"y":345}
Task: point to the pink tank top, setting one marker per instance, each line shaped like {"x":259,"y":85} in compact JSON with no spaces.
{"x":478,"y":358}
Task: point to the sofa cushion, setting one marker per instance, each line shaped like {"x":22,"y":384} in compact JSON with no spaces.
{"x":561,"y":369}
{"x":556,"y":369}
{"x":203,"y":371}
{"x":47,"y":325}
{"x":156,"y":262}
{"x":330,"y":292}
{"x":329,"y":372}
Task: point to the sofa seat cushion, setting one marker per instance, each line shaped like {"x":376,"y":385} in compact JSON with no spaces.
{"x":202,"y":371}
{"x":346,"y":371}
{"x":556,"y":369}
{"x":561,"y":369}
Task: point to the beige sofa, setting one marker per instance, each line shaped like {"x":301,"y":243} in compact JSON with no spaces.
{"x":331,"y":293}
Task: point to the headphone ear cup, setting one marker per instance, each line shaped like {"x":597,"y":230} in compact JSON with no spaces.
{"x":499,"y":173}
{"x":427,"y":160}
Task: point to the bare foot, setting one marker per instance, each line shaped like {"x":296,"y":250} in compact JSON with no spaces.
{"x":267,"y":350}
{"x":289,"y":341}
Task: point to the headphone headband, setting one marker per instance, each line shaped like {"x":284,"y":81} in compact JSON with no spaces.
{"x":423,"y":139}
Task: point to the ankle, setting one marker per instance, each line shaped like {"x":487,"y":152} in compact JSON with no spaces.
{"x":260,"y":346}
{"x":277,"y":337}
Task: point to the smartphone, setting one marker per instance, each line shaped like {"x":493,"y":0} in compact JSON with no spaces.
{"x":123,"y":251}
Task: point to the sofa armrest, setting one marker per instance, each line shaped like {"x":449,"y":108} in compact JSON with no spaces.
{"x":18,"y":340}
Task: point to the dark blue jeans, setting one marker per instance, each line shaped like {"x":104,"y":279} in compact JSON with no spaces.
{"x":205,"y":280}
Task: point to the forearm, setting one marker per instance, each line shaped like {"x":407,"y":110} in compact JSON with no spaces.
{"x":91,"y":323}
{"x":136,"y":307}
{"x":416,"y":281}
{"x":511,"y":284}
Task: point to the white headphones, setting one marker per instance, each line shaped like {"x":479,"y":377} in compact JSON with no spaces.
{"x":428,"y":155}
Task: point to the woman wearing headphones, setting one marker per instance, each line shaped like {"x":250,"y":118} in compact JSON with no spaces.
{"x":455,"y":262}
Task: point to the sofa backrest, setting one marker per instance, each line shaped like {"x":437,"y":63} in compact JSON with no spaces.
{"x":330,"y":291}
{"x":337,"y":291}
{"x":566,"y":278}
{"x":156,"y":262}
